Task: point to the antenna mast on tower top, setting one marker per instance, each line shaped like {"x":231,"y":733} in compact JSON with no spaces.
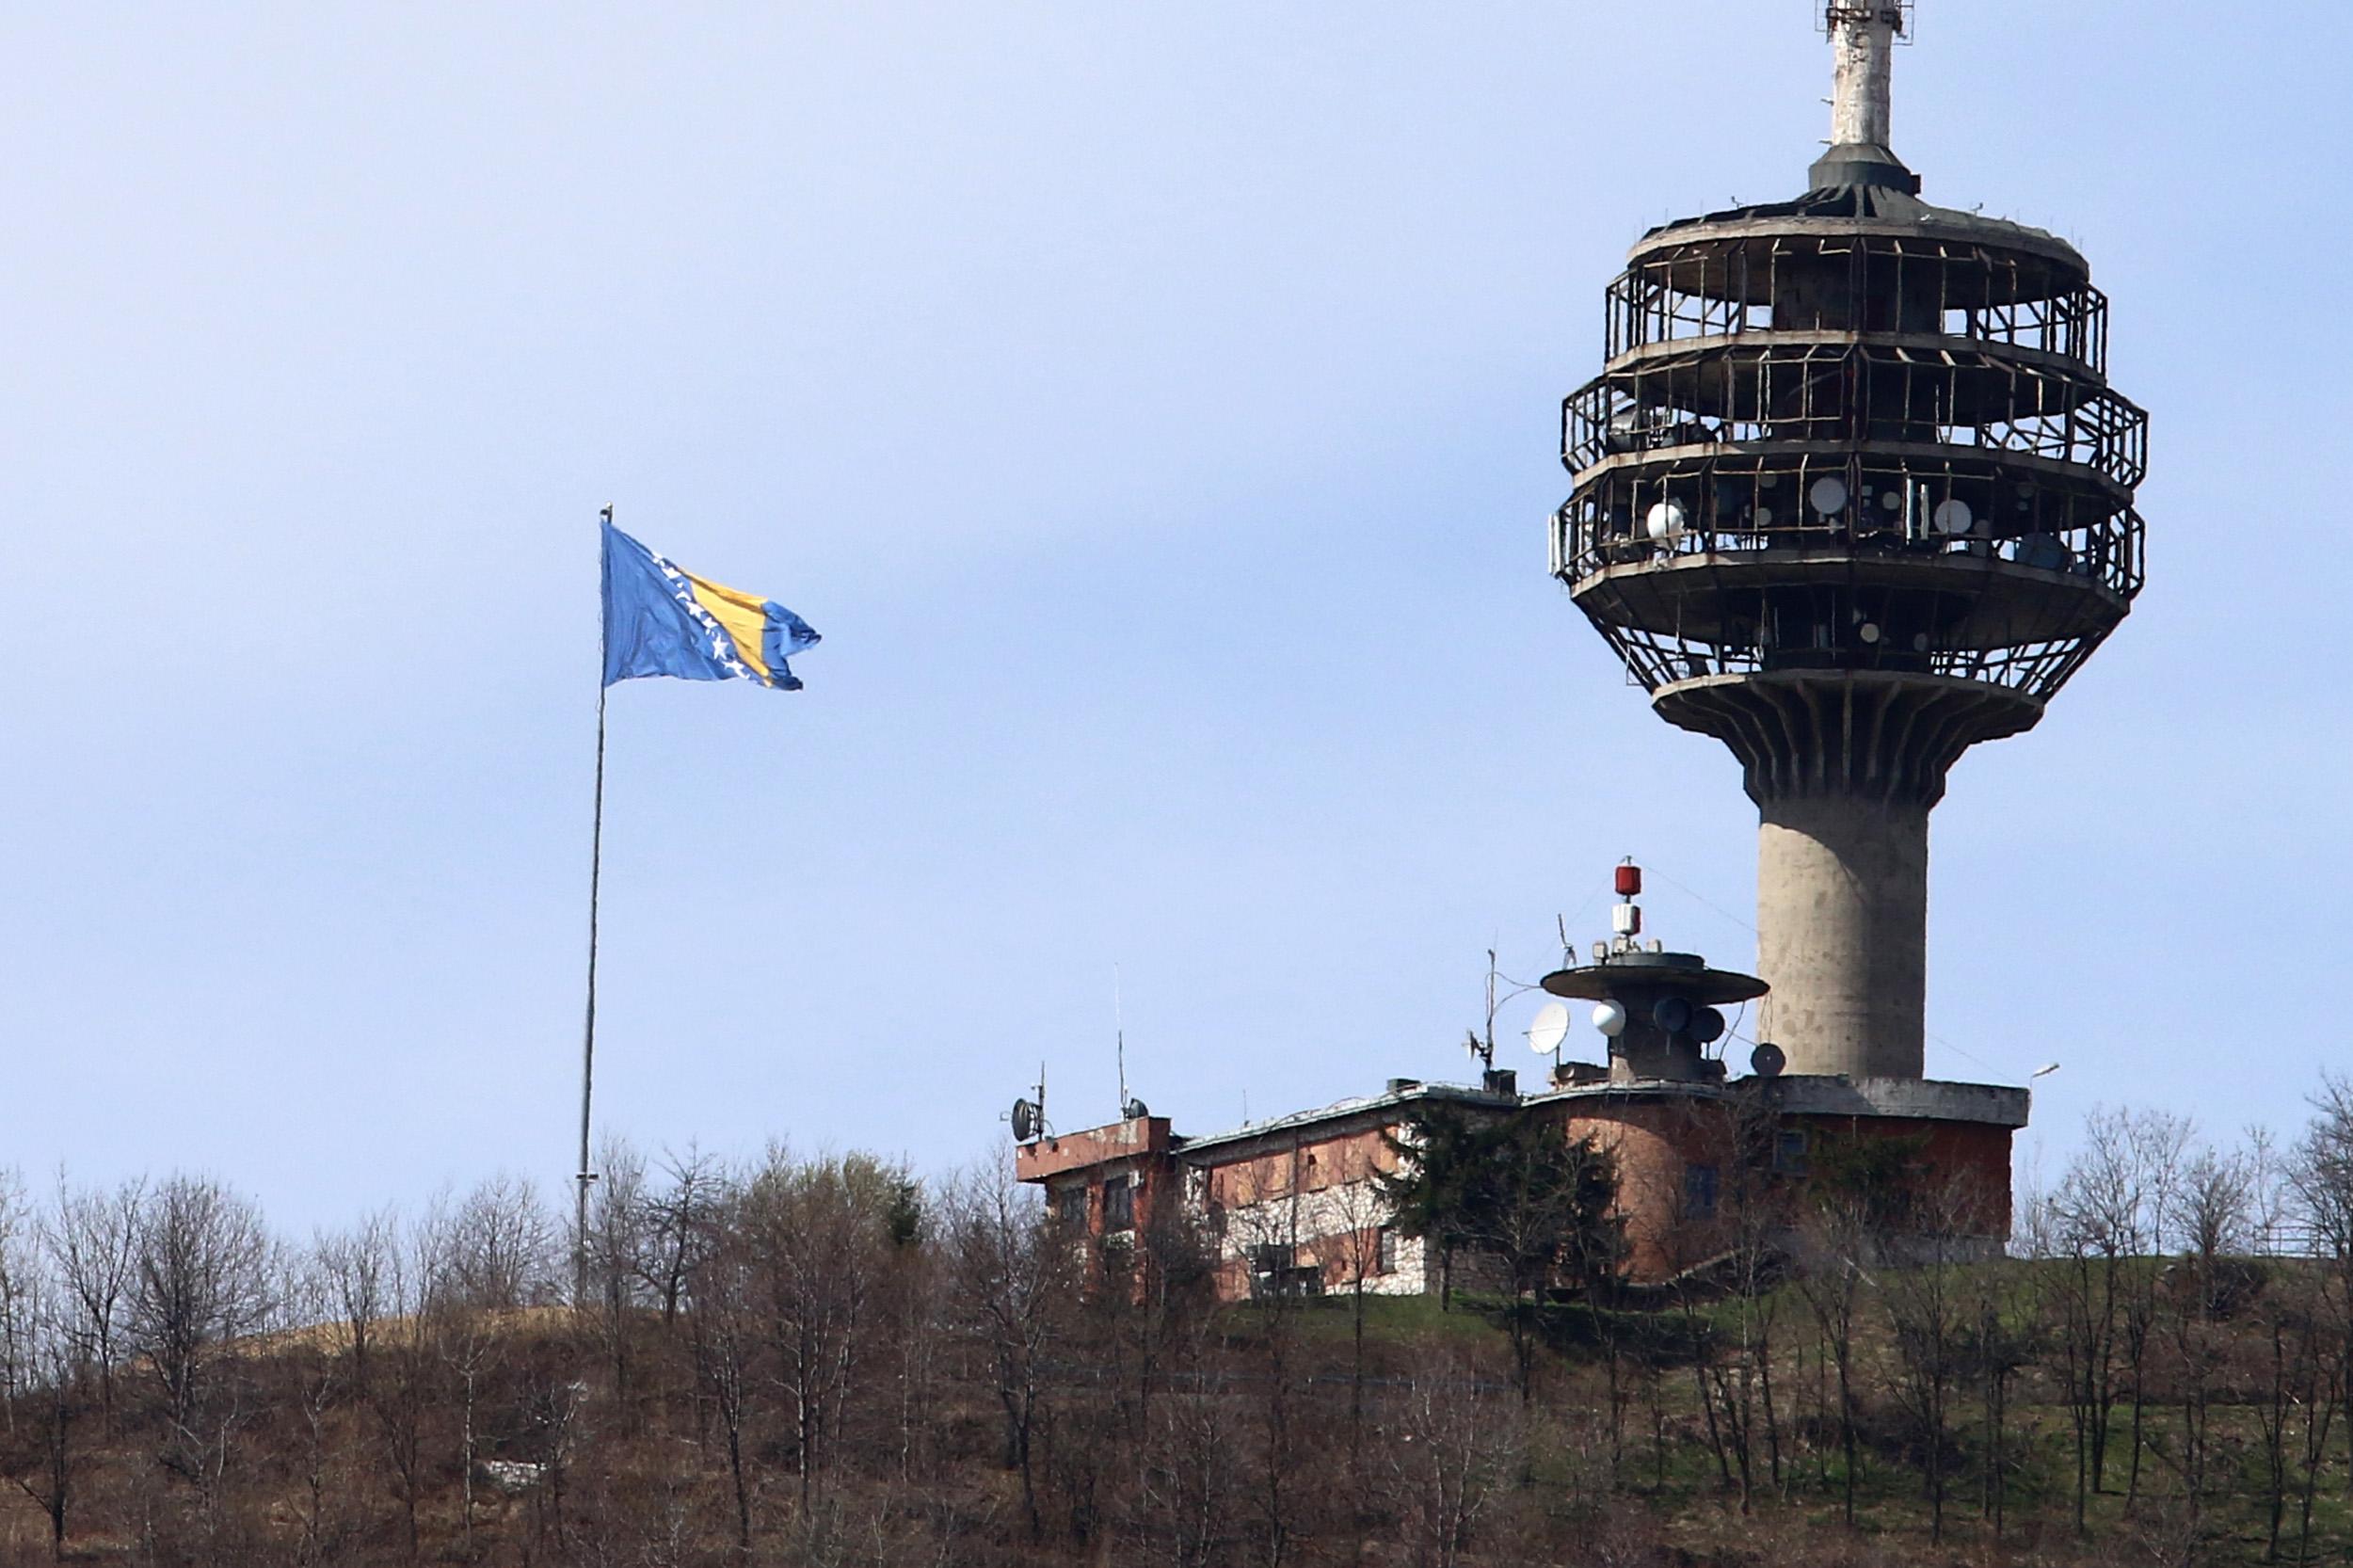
{"x":1862,"y":40}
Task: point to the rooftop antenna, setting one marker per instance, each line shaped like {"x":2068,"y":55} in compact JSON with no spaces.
{"x":1130,"y":1108}
{"x":1491,"y":1007}
{"x":1482,"y":1048}
{"x":1027,"y":1115}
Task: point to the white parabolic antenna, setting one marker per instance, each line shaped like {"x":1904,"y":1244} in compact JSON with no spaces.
{"x":1550,"y":1028}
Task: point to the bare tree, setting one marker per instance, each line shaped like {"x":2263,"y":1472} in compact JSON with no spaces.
{"x":354,"y":1271}
{"x":44,"y":1459}
{"x":1190,"y":1483}
{"x":2211,"y":1203}
{"x":2155,"y":1147}
{"x":202,"y":1277}
{"x":821,"y":1231}
{"x":206,"y":1275}
{"x":402,"y":1389}
{"x":470,"y":1346}
{"x":1752,"y":1230}
{"x":618,"y":1221}
{"x":678,"y":1230}
{"x":2093,"y":1225}
{"x":1365,"y":1237}
{"x":93,"y":1240}
{"x":1998,"y":1343}
{"x":2322,"y":1173}
{"x":501,"y":1245}
{"x":317,"y":1371}
{"x":1928,"y":1311}
{"x":1460,"y":1442}
{"x":912,"y":1300}
{"x":21,"y":1293}
{"x":1269,"y":1220}
{"x":1010,"y":1274}
{"x":1836,"y":1247}
{"x":724,"y":1325}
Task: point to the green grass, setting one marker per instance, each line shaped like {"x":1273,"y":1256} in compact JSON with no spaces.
{"x":1687,"y":1490}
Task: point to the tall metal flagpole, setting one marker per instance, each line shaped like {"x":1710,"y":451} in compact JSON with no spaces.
{"x":589,"y":1029}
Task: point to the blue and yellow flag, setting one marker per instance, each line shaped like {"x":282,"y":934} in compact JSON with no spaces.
{"x":659,"y":621}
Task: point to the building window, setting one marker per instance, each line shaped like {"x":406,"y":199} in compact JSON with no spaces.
{"x":1070,"y":1205}
{"x":1789,"y":1153}
{"x":1387,"y":1256}
{"x":1698,"y":1192}
{"x":1119,"y":1203}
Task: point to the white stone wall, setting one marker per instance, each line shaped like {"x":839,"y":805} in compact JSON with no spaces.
{"x":1319,"y":1225}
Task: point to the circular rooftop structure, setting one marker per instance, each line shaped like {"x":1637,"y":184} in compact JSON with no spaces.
{"x":1683,"y":974}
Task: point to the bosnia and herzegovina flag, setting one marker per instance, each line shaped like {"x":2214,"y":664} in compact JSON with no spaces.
{"x":659,"y":621}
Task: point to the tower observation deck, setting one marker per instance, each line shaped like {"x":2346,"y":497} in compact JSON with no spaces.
{"x":1851,"y":494}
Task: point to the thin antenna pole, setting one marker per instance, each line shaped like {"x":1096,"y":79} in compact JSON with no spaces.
{"x":585,"y":1175}
{"x":1119,"y":1031}
{"x":1491,"y":1009}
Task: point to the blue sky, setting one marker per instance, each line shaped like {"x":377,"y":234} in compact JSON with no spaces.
{"x":1156,"y":407}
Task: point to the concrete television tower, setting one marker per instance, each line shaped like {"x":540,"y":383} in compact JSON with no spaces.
{"x":1853,"y":494}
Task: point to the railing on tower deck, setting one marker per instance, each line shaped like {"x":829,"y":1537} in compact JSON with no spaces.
{"x":1896,"y":393}
{"x":1953,"y":511}
{"x":1721,"y":288}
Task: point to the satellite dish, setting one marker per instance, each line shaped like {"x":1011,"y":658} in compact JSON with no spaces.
{"x":1024,"y":1119}
{"x":1610,"y":1018}
{"x":1868,"y":631}
{"x":1762,"y":517}
{"x":1952,"y":517}
{"x":1136,"y":1110}
{"x":2045,"y":553}
{"x":1664,"y":521}
{"x":1828,"y":496}
{"x":1550,"y":1028}
{"x":1672,"y":1014}
{"x":1892,"y":500}
{"x":1708,"y":1026}
{"x":1767,"y":1059}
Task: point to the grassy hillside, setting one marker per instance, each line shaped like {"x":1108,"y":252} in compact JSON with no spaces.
{"x":1161,"y":1432}
{"x":826,"y":1363}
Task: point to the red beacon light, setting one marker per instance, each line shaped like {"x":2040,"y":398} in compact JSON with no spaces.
{"x":1629,"y":880}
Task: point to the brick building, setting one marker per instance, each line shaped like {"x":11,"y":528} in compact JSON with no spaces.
{"x":1705,"y":1162}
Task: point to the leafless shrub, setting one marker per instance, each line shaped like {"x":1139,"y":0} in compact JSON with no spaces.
{"x":502,"y":1246}
{"x":1457,"y":1440}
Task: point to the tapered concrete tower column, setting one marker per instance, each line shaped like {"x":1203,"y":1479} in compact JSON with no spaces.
{"x":1852,"y":495}
{"x":1844,"y":767}
{"x":1842,"y":917}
